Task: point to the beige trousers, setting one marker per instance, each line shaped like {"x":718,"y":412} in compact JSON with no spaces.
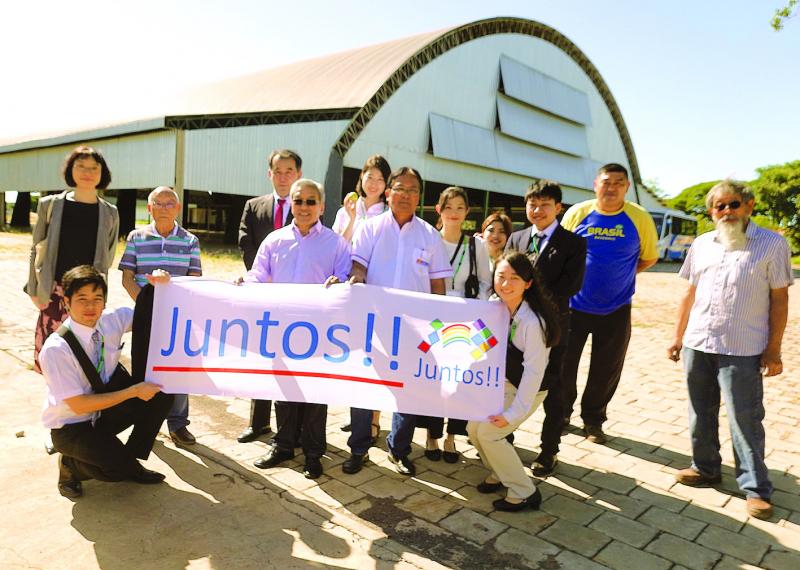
{"x":498,"y":455}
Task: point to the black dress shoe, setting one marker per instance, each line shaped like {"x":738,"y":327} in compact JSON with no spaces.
{"x":145,"y":476}
{"x":433,"y":454}
{"x":354,"y":463}
{"x":346,"y":427}
{"x":486,"y":488}
{"x":544,"y":465}
{"x":403,"y":465}
{"x":249,"y":434}
{"x":313,"y":468}
{"x":273,"y":458}
{"x":451,"y":456}
{"x":532,"y":502}
{"x":68,"y":486}
{"x":182,"y":436}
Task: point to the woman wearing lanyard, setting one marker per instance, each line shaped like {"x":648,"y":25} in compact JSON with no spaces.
{"x":533,"y":329}
{"x":368,"y":200}
{"x":471,"y":279}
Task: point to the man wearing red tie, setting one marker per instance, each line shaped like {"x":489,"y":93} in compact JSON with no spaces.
{"x":261,"y":216}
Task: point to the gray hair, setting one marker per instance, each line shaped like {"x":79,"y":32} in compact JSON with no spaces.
{"x":729,"y":186}
{"x":162,"y":190}
{"x":308,"y":183}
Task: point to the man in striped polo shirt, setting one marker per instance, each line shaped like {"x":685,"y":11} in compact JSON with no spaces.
{"x":163,"y":245}
{"x":730,"y":327}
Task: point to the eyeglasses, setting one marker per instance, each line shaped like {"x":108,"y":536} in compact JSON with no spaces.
{"x":164,"y":205}
{"x":405,"y":190}
{"x":730,"y":205}
{"x":300,"y":202}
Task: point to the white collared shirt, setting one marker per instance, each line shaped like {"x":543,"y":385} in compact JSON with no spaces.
{"x":64,"y":375}
{"x":403,"y":258}
{"x":730,"y":314}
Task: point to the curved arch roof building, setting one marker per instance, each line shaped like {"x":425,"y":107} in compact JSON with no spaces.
{"x":488,"y":105}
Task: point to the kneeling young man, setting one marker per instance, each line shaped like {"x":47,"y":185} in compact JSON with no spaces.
{"x":304,"y":251}
{"x":84,"y":422}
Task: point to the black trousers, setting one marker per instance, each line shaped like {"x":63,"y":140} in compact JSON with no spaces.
{"x":95,"y":452}
{"x":260,"y":412}
{"x":611,"y":334}
{"x":554,"y":402}
{"x":436,"y":426}
{"x":304,"y":421}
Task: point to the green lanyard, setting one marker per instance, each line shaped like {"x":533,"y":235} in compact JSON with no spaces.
{"x":512,"y":331}
{"x":460,"y":260}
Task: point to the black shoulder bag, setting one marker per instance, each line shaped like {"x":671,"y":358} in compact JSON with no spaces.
{"x":472,"y":285}
{"x":119,"y":380}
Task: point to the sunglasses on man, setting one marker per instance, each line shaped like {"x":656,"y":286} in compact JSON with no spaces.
{"x":300,"y":202}
{"x":730,"y":205}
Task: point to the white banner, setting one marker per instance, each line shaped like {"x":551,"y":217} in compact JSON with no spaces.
{"x":360,"y":346}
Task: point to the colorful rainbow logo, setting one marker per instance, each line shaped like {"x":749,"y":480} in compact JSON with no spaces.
{"x":477,"y":334}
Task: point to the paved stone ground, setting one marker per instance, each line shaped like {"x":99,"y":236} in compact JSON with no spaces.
{"x":614,"y":506}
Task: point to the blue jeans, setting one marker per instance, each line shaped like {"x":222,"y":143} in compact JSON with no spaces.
{"x":738,"y":379}
{"x":179,"y":413}
{"x":398,"y":441}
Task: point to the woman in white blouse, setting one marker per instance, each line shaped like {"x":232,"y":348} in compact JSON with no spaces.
{"x":471,"y":279}
{"x":533,"y":329}
{"x":370,"y":200}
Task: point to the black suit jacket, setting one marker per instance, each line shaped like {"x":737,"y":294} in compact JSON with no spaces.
{"x":257,"y":223}
{"x":562,"y":263}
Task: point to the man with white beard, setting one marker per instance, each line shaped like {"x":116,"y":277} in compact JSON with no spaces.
{"x":730,"y":327}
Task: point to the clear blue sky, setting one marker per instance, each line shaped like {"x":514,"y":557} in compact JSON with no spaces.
{"x":707,"y":88}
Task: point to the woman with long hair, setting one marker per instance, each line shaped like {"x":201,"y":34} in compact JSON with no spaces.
{"x":495,"y":231}
{"x":368,"y":200}
{"x":533,"y":329}
{"x":75,"y":227}
{"x":471,"y":279}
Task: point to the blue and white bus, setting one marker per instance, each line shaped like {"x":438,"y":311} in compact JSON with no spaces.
{"x":676,"y":232}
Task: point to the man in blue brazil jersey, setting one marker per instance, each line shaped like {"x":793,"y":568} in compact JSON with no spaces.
{"x":621,"y":241}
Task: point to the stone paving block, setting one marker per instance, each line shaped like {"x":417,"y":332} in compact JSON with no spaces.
{"x":569,"y":469}
{"x":786,"y":500}
{"x":734,"y":544}
{"x":670,"y":522}
{"x":783,"y":537}
{"x":618,"y":504}
{"x":334,"y":494}
{"x":570,"y":487}
{"x":435,"y":483}
{"x":781,"y":560}
{"x":611,"y":481}
{"x":620,"y":556}
{"x":684,"y":552}
{"x":652,"y":475}
{"x":623,"y":529}
{"x":701,"y":495}
{"x":468,"y":496}
{"x":531,"y":522}
{"x":473,"y":526}
{"x":571,"y":510}
{"x":472,"y":474}
{"x":385,"y":487}
{"x":661,"y":425}
{"x":658,"y":498}
{"x":428,"y":506}
{"x":606,"y":462}
{"x":534,"y":552}
{"x":367,"y":473}
{"x":571,"y":561}
{"x":717,"y":517}
{"x":575,"y":537}
{"x":728,"y":563}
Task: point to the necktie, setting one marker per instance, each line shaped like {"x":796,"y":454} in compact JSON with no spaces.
{"x":278,"y":222}
{"x":536,"y":243}
{"x":99,"y":346}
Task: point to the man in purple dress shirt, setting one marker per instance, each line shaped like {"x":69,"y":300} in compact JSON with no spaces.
{"x":304,"y":251}
{"x":730,"y":327}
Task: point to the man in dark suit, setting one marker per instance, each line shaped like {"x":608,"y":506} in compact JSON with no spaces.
{"x":262,"y":215}
{"x":560,"y":257}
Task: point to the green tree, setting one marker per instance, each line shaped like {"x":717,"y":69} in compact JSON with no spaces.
{"x":692,"y":200}
{"x":783,"y":14}
{"x":777,"y":190}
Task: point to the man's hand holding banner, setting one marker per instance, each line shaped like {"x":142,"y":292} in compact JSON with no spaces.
{"x":360,"y":346}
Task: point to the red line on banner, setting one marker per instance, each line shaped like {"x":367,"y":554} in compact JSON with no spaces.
{"x":391,"y":383}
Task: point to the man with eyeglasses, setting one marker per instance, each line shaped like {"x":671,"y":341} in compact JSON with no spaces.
{"x":164,"y":244}
{"x":621,"y":241}
{"x":261,"y":216}
{"x":396,"y":249}
{"x":730,"y":327}
{"x":304,"y":251}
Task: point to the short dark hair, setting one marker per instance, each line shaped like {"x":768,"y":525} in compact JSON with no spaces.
{"x":613,"y":167}
{"x":498,"y":217}
{"x":402,"y":171}
{"x":84,"y":151}
{"x":286,"y":154}
{"x":543,"y":189}
{"x":81,"y":276}
{"x":374,"y":161}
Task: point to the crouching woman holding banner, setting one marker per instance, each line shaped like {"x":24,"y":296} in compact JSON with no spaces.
{"x":533,"y":329}
{"x":91,"y":397}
